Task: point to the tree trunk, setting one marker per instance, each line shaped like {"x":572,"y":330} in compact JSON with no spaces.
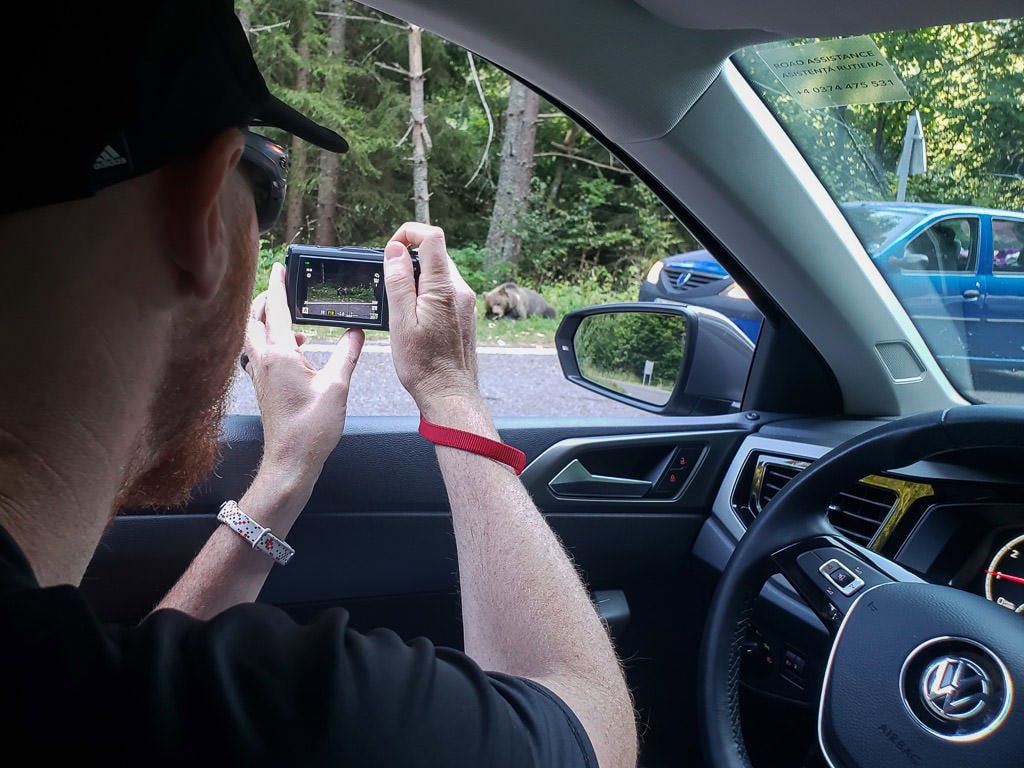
{"x":295,"y":221}
{"x":327,"y":194}
{"x":511,"y":197}
{"x":418,"y":128}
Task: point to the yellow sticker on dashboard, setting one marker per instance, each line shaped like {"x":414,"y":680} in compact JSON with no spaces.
{"x":834,"y":73}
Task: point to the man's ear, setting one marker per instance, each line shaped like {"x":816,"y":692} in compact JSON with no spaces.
{"x":198,"y":204}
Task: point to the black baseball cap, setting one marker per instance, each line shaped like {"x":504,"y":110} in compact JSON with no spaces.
{"x":98,"y":93}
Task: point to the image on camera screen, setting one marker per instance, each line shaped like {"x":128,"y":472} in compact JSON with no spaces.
{"x":342,"y":289}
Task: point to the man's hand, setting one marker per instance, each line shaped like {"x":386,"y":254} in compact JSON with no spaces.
{"x":303,"y":409}
{"x":433,"y":331}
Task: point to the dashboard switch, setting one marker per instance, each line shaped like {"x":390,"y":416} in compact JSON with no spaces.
{"x":845,"y":580}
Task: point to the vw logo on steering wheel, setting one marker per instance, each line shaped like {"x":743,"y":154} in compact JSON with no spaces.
{"x":955,"y":688}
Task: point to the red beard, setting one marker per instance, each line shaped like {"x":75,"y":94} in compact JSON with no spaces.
{"x":184,"y":430}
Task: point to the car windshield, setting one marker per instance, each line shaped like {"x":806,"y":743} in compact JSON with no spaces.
{"x":917,"y":136}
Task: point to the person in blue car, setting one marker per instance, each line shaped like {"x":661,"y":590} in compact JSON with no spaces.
{"x":137,"y":187}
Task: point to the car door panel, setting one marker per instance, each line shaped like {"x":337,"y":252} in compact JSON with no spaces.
{"x":377,"y":523}
{"x":376,"y":538}
{"x":1004,"y":319}
{"x":946,"y":297}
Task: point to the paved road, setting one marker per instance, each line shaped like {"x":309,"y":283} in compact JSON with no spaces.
{"x":515,"y":381}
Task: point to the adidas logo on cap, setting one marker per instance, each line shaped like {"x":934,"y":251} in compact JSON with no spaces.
{"x":108,"y":158}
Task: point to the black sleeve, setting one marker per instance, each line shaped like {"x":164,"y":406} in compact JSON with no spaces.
{"x":254,"y":688}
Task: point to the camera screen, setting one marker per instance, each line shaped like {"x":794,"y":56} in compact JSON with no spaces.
{"x":329,"y":289}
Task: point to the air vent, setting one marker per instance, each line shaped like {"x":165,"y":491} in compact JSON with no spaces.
{"x":773,"y":477}
{"x":860,"y":512}
{"x":857,"y":514}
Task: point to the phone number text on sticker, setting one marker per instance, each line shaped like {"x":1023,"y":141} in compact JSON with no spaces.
{"x":834,"y":73}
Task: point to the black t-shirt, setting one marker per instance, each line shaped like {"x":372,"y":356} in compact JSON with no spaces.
{"x":251,"y":688}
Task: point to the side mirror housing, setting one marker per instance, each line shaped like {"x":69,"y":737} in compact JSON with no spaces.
{"x":675,"y":360}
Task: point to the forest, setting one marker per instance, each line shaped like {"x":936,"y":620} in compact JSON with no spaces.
{"x":440,"y":135}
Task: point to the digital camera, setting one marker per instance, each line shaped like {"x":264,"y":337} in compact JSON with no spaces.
{"x":341,"y":286}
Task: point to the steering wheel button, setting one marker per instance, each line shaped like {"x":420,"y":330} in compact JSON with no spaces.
{"x":842,"y":578}
{"x":830,"y":566}
{"x":796,"y":662}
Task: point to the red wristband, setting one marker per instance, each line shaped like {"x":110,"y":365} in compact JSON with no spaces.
{"x":467,"y":441}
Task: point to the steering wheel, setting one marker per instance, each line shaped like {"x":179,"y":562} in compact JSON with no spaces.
{"x":919,"y":674}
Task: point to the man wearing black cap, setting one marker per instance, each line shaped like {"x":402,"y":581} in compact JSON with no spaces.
{"x":129,"y":224}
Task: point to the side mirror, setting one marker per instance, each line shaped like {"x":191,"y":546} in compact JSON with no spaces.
{"x":676,"y":360}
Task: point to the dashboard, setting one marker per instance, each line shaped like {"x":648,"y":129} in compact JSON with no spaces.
{"x":975,"y":546}
{"x":956,"y":520}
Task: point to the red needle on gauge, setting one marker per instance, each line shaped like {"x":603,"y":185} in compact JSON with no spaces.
{"x":1006,"y":576}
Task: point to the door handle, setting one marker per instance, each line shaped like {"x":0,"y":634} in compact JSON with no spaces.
{"x":972,"y":293}
{"x":576,"y":480}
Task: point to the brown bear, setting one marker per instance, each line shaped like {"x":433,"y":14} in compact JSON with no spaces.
{"x":514,"y":301}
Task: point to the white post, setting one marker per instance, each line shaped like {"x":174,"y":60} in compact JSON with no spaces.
{"x":648,"y":371}
{"x":912,"y":160}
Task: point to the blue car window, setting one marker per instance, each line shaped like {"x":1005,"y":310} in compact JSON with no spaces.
{"x":957,"y":240}
{"x":950,"y":246}
{"x":1007,"y":246}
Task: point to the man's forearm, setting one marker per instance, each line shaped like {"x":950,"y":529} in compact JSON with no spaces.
{"x":227,"y":571}
{"x":525,"y":610}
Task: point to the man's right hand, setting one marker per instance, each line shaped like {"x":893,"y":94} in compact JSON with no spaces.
{"x":433,"y":330}
{"x":303,"y":410}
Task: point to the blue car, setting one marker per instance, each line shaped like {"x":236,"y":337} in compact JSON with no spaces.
{"x":944,"y":262}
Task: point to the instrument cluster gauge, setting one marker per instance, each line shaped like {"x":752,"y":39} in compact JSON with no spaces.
{"x":1004,"y":577}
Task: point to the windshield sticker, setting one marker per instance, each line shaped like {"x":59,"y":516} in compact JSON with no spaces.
{"x":835,"y":73}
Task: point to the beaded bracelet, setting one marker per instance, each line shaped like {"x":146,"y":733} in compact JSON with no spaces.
{"x":259,"y":537}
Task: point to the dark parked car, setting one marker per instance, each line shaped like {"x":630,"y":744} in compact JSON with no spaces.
{"x":958,"y":271}
{"x":696,"y":277}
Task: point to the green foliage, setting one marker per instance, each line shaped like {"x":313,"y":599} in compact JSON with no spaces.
{"x":326,"y":292}
{"x":584,"y":216}
{"x":966,"y":81}
{"x":611,"y":228}
{"x":583,"y":292}
{"x":265,"y":261}
{"x":470,"y":261}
